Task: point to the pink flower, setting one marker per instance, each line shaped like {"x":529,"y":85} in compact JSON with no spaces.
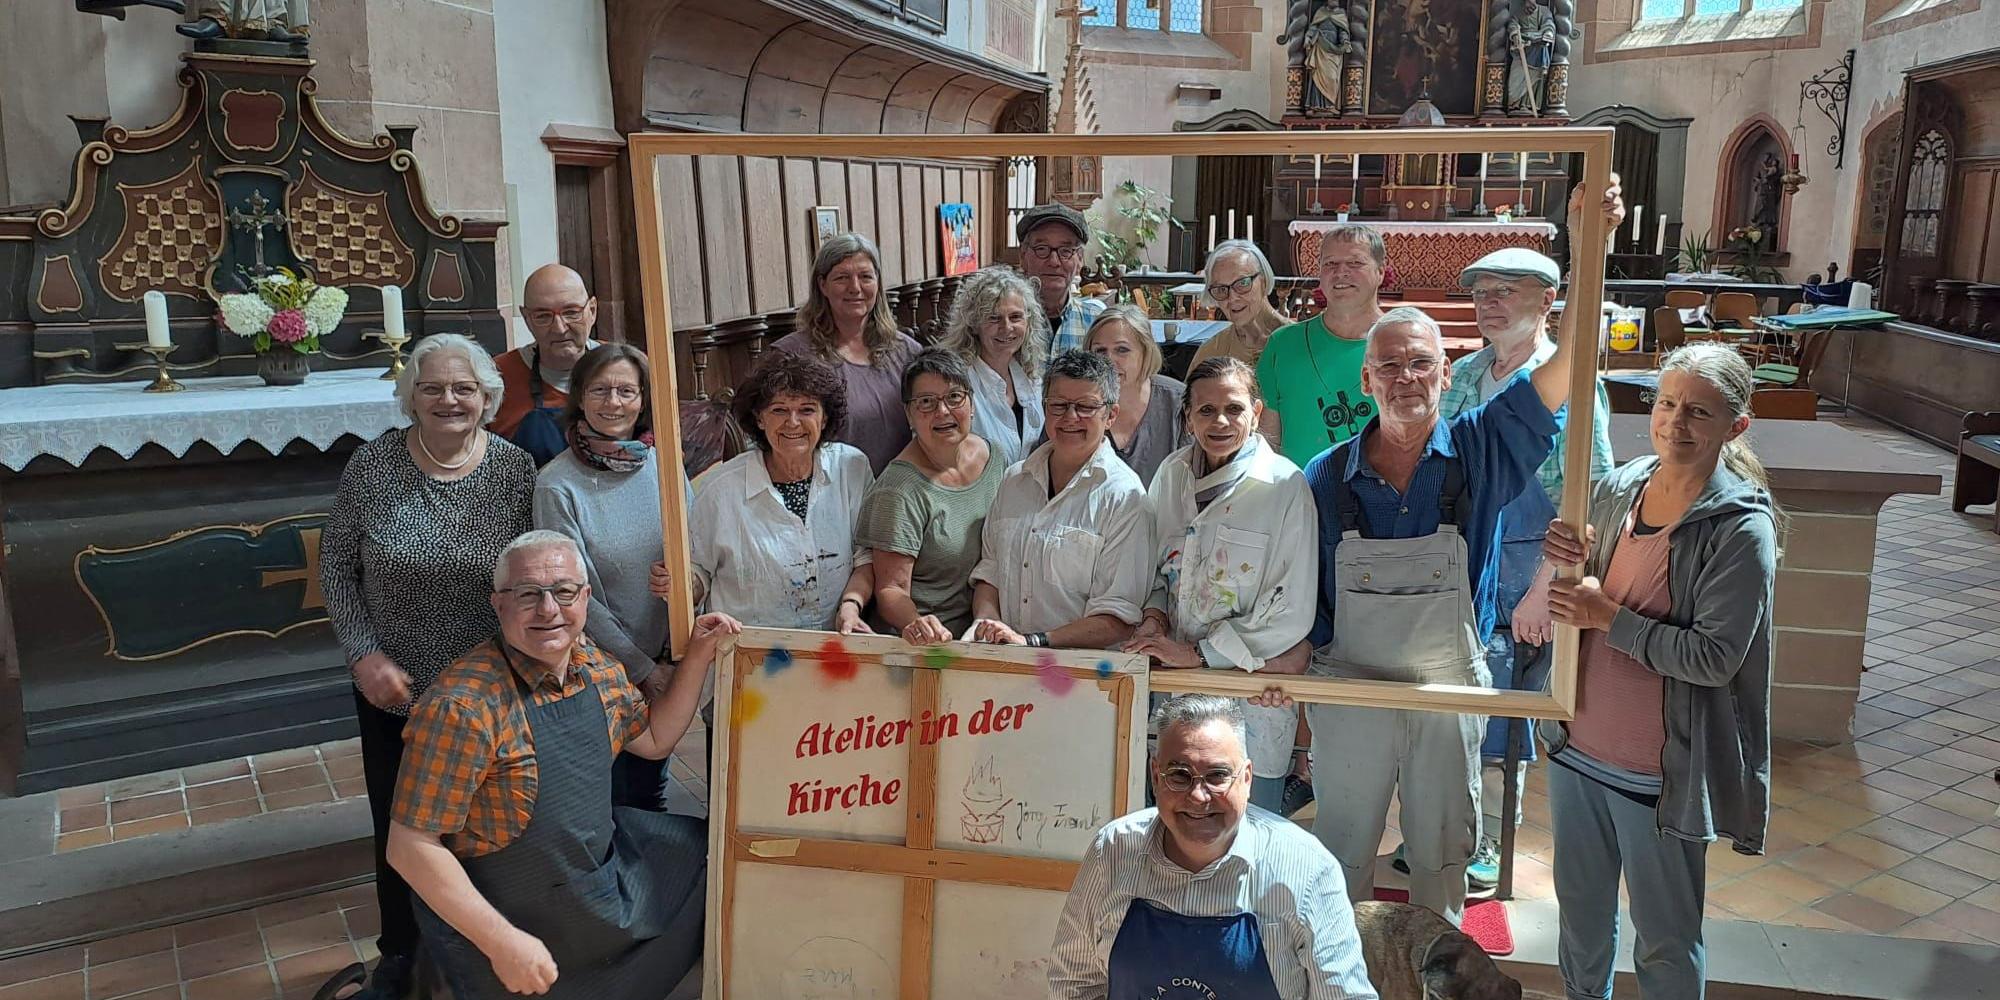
{"x":288,"y":326}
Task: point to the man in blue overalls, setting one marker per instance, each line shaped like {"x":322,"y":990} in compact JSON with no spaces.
{"x":1410,"y":540}
{"x":1207,"y":895}
{"x":1513,"y":291}
{"x":562,"y":314}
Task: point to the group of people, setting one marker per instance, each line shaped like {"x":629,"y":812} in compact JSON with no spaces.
{"x":493,"y":572}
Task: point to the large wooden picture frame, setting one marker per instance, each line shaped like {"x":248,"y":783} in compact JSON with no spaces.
{"x":915,"y":857}
{"x":1587,"y":238}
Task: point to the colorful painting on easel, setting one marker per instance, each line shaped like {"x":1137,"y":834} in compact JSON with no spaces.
{"x":960,"y":241}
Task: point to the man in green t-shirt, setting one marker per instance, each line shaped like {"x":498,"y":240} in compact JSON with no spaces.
{"x":1311,"y":372}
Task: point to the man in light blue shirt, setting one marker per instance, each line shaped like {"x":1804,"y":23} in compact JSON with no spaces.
{"x":1206,"y":895}
{"x":1054,"y":239}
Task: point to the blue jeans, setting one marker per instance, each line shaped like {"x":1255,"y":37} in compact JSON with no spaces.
{"x":1600,"y":835}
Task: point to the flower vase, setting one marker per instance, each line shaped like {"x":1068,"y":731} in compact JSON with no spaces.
{"x":1340,"y":216}
{"x":283,"y":367}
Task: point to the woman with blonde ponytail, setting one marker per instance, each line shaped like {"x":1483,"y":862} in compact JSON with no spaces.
{"x":1671,"y":742}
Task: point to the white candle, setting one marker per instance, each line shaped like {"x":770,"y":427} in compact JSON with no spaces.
{"x":1232,"y":224}
{"x":1483,"y":157}
{"x":1522,"y":159}
{"x":1356,"y":158}
{"x":1315,"y":168}
{"x":1638,"y":219}
{"x":1249,"y":230}
{"x":392,"y":311}
{"x":157,"y":334}
{"x":1211,"y":234}
{"x":1660,"y":237}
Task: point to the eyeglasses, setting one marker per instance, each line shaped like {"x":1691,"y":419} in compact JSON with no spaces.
{"x":929,"y":404}
{"x":1393,"y":370}
{"x":438,"y":390}
{"x":621,"y":393}
{"x":1043,"y":251}
{"x":1063,"y":408}
{"x":1236,"y":287}
{"x":1182,"y":779}
{"x":545,"y":319}
{"x":528,"y":597}
{"x":1495,"y":293}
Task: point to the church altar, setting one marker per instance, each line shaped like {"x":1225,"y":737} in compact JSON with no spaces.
{"x":160,"y":600}
{"x":1427,"y":256}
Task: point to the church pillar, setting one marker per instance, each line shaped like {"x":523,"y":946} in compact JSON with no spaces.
{"x":1556,"y":105}
{"x":1359,"y":29}
{"x":1493,"y":85}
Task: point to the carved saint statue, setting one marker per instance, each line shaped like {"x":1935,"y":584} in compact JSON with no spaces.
{"x":1326,"y":53}
{"x":1531,"y":42}
{"x":1766,"y":191}
{"x":269,"y":20}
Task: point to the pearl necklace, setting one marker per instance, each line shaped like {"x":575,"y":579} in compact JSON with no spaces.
{"x":447,"y":466}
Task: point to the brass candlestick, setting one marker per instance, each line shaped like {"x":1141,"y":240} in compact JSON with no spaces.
{"x":395,"y":352}
{"x":162,"y":382}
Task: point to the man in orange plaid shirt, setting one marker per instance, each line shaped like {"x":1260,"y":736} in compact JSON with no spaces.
{"x":528,"y":880}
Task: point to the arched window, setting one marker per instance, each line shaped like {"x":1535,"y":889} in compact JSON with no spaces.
{"x":1930,"y":176}
{"x":1180,"y":15}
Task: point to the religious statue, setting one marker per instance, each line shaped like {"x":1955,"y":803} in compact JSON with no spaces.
{"x":116,"y":8}
{"x":1766,"y":189}
{"x":1326,"y":53}
{"x":269,"y":20}
{"x":1531,"y":42}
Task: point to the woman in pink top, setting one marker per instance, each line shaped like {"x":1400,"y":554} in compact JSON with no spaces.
{"x":1671,"y":743}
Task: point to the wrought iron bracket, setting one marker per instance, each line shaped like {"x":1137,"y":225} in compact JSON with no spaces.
{"x":1828,"y":92}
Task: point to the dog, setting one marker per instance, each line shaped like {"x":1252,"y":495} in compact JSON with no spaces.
{"x":1415,"y":954}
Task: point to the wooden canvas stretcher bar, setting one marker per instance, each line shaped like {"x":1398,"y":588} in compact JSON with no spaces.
{"x":1585,"y":296}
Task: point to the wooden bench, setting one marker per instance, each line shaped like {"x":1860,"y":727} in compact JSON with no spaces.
{"x":1978,"y":477}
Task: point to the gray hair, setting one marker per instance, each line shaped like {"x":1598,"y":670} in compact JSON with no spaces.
{"x":1197,"y":710}
{"x":482,"y":369}
{"x":1134,"y":317}
{"x":1084,"y":366}
{"x":1408,"y":316}
{"x":1720,"y":366}
{"x":533,"y":541}
{"x":1247,"y":249}
{"x":979,"y":296}
{"x":1355,"y":232}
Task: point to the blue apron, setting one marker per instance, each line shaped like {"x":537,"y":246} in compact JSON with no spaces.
{"x":540,"y":432}
{"x":1518,"y":666}
{"x":1162,"y":955}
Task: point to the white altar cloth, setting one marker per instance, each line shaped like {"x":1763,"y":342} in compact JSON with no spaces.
{"x":71,"y":420}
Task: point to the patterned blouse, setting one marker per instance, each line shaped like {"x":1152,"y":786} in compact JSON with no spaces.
{"x":469,"y":757}
{"x":406,"y":561}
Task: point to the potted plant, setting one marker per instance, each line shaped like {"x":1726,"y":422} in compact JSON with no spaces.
{"x":1340,"y":214}
{"x":1503,"y":213}
{"x":1746,"y":245}
{"x":1121,"y":245}
{"x":1694,"y":255}
{"x":284,"y":314}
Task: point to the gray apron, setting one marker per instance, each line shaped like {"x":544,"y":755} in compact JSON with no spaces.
{"x":616,"y":894}
{"x":1403,"y":611}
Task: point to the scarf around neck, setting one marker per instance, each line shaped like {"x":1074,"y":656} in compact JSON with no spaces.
{"x":610,"y":454}
{"x":1211,"y":484}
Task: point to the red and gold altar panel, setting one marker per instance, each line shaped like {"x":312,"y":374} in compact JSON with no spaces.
{"x":1427,"y":256}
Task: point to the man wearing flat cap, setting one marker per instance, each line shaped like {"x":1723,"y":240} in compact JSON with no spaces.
{"x":1513,"y":291}
{"x":1053,"y":239}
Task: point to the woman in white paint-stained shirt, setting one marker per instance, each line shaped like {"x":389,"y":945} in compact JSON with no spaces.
{"x":1234,"y":588}
{"x":775,"y":540}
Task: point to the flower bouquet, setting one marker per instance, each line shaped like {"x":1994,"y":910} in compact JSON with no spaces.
{"x":284,"y":315}
{"x":1503,"y":213}
{"x":1340,"y":213}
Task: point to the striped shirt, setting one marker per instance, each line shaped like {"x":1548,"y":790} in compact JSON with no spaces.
{"x":1274,"y":869}
{"x":1068,"y":328}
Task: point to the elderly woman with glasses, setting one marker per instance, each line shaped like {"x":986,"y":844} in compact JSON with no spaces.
{"x":997,"y":327}
{"x":406,"y":560}
{"x":1148,"y":426}
{"x":776,"y":546}
{"x":1067,"y":554}
{"x":846,"y":323}
{"x":604,"y":492}
{"x":1239,"y":283}
{"x":923,"y":518}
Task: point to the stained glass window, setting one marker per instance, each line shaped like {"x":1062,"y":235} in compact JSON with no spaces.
{"x":1185,"y":16}
{"x":1103,"y":14}
{"x":1930,"y":172}
{"x":1662,"y":10}
{"x":1139,"y":15}
{"x":1708,"y":8}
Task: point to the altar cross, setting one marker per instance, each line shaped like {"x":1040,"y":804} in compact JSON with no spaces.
{"x":254,"y":222}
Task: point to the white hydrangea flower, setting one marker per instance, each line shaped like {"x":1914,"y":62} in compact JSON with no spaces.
{"x":246,"y":314}
{"x":324,"y":310}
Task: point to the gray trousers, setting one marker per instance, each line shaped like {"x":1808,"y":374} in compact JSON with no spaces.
{"x":1360,"y":757}
{"x":1599,"y":836}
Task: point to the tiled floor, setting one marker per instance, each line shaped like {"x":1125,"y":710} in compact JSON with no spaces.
{"x":208,"y":793}
{"x":282,"y":951}
{"x":1893,"y":833}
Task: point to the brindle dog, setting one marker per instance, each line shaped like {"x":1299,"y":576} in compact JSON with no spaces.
{"x":1415,"y":954}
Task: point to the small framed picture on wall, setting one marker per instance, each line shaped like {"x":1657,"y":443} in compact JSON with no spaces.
{"x":825,"y":224}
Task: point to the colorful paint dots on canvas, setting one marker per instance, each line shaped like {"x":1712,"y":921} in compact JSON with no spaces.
{"x":777,"y":661}
{"x":835,"y":662}
{"x":749,"y":705}
{"x":1054,"y":679}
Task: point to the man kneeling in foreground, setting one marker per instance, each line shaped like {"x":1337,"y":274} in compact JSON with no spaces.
{"x":528,"y":880}
{"x":1205,"y":894}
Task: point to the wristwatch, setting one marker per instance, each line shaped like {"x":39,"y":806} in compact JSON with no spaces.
{"x":1037,"y":639}
{"x":1200,"y":656}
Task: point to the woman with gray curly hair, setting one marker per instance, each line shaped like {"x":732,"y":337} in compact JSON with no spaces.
{"x":406,"y":559}
{"x":997,"y":326}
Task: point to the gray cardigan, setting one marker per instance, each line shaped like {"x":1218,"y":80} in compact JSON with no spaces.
{"x":1713,"y":648}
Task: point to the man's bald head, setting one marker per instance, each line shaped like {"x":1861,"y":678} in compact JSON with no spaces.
{"x":561,"y":313}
